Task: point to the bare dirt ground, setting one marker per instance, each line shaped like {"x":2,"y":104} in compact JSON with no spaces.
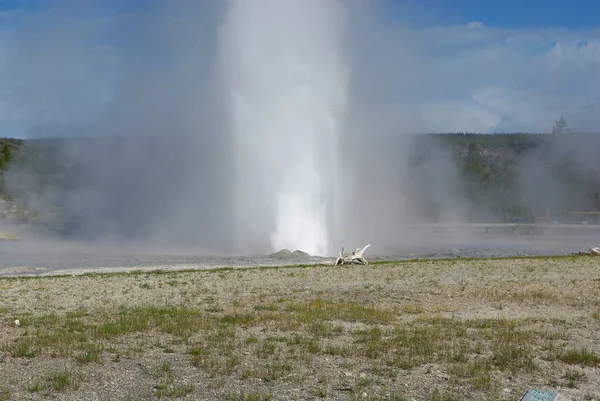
{"x":485,"y":329}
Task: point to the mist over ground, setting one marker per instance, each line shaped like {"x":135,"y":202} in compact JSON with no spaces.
{"x":184,"y":117}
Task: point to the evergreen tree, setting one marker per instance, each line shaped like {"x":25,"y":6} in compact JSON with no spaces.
{"x":561,"y":126}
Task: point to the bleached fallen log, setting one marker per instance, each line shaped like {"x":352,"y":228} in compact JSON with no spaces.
{"x":592,"y":252}
{"x":355,"y":258}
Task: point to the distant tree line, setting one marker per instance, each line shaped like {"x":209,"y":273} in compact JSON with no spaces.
{"x":8,"y":149}
{"x":500,"y":177}
{"x":521,"y":177}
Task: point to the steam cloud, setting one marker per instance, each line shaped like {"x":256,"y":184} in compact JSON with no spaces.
{"x":285,"y":82}
{"x":248,"y":126}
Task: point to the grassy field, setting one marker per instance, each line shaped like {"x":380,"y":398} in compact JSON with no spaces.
{"x":485,"y":329}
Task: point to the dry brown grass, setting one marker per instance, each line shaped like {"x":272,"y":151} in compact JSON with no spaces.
{"x":427,"y":330}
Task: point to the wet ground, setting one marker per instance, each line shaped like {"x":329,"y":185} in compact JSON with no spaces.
{"x":60,"y":257}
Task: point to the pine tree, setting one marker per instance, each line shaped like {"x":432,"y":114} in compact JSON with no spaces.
{"x":561,"y":126}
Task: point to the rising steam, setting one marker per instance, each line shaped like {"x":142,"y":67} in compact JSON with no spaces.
{"x":285,"y":87}
{"x":248,"y":126}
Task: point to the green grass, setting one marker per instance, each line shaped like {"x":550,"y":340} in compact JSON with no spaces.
{"x":35,"y":387}
{"x":347,"y":311}
{"x":165,"y":386}
{"x":90,"y":353}
{"x":313,"y":327}
{"x":377,"y":264}
{"x":283,"y":338}
{"x":62,"y":335}
{"x":20,"y":349}
{"x":573,"y":378}
{"x":412,"y":309}
{"x":61,"y":380}
{"x":55,"y":382}
{"x":87,"y":357}
{"x":5,"y":394}
{"x":580,"y":357}
{"x":338,"y":350}
{"x":497,"y":343}
{"x":173,"y":391}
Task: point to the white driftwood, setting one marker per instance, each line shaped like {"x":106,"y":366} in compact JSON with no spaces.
{"x":593,"y":252}
{"x":355,"y":258}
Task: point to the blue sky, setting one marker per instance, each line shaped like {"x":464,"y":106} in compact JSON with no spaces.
{"x":457,"y":65}
{"x":495,"y":13}
{"x":516,"y":13}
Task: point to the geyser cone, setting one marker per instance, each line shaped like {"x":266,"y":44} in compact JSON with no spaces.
{"x":286,"y":89}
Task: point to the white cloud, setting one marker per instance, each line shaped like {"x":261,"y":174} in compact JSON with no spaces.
{"x":475,"y":25}
{"x":479,"y":79}
{"x":460,"y":78}
{"x":585,"y":53}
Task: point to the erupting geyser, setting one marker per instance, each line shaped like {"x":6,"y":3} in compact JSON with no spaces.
{"x":285,"y":84}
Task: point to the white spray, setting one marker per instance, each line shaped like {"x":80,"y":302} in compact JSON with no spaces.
{"x":285,"y":84}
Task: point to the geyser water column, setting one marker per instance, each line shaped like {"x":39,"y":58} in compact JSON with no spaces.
{"x":285,"y":83}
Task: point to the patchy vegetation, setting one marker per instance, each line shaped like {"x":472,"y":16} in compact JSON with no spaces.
{"x":431,"y":330}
